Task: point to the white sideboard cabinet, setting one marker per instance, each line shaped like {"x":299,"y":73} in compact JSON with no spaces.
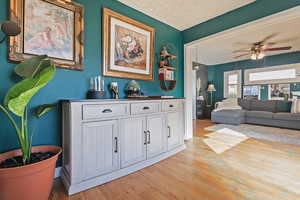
{"x":107,"y":139}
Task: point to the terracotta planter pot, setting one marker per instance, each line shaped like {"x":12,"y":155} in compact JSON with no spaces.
{"x":30,"y":182}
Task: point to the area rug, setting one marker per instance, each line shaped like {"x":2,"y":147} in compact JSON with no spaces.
{"x":259,"y":132}
{"x":223,"y":140}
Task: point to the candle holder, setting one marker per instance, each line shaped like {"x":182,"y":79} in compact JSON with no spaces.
{"x":96,"y":90}
{"x":92,"y":94}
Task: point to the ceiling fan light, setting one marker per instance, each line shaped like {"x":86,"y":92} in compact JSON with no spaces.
{"x":260,"y":56}
{"x":257,"y":56}
{"x":253,"y":57}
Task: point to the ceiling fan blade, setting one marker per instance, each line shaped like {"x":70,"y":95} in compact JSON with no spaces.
{"x":287,"y":40}
{"x":241,"y":50}
{"x":278,"y":49}
{"x":268,"y":44}
{"x":268,"y":38}
{"x":239,"y":56}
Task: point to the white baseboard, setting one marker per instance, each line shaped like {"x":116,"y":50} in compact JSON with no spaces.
{"x":57,"y":172}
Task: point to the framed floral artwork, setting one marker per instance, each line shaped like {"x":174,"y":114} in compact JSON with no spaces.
{"x":128,"y":47}
{"x":49,"y":27}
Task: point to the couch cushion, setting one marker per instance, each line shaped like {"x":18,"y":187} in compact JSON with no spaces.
{"x":287,"y":116}
{"x":284,"y":106}
{"x":229,"y":113}
{"x":245,"y":103}
{"x":259,"y":114}
{"x":263,"y":105}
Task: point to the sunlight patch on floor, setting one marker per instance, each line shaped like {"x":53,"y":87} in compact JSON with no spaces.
{"x":223,"y":140}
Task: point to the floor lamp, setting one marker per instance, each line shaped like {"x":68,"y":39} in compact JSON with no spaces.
{"x":211,"y":88}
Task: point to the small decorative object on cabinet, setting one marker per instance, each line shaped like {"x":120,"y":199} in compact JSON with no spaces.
{"x":105,"y":140}
{"x":133,"y":89}
{"x":114,"y":89}
{"x":167,"y":67}
{"x":96,"y":88}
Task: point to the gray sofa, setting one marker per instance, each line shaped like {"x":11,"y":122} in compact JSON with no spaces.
{"x":260,"y":112}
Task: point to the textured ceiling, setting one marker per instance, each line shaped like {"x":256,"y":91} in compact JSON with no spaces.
{"x":183,"y":14}
{"x":218,"y":49}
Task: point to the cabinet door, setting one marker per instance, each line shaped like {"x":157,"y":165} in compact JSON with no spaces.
{"x":133,"y":141}
{"x":100,"y":148}
{"x":156,"y":140}
{"x":175,"y":130}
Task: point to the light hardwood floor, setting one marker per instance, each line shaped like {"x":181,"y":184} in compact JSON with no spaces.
{"x":253,"y":169}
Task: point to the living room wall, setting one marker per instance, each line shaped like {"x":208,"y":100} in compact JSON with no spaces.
{"x":70,"y":84}
{"x":216,"y":72}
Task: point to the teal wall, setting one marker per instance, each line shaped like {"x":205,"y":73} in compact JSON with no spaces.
{"x":248,"y":13}
{"x":216,"y":72}
{"x":73,"y":84}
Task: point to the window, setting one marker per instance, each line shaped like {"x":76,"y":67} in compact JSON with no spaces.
{"x":232,"y":84}
{"x":273,"y":75}
{"x":251,"y":91}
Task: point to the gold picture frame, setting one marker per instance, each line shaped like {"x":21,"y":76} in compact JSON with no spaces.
{"x":128,"y":47}
{"x":69,"y":51}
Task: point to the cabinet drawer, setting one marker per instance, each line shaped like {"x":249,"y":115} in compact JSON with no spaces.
{"x":104,"y":110}
{"x":172,"y":106}
{"x":143,"y":108}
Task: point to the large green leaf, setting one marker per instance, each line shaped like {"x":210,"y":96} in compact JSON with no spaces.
{"x":20,"y":95}
{"x":43,"y":109}
{"x":31,"y":66}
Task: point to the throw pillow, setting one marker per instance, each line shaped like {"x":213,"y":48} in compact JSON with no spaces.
{"x":295,"y":106}
{"x":228,"y":104}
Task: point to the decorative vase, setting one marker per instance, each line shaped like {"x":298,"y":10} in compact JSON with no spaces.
{"x":29,"y":182}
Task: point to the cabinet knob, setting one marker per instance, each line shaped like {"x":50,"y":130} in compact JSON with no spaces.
{"x":171,"y":106}
{"x":107,"y":111}
{"x":146,"y":108}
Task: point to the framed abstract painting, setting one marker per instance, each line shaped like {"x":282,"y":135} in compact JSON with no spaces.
{"x":49,"y":27}
{"x":128,"y":47}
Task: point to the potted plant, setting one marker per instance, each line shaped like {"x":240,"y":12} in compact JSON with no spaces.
{"x":27,"y":173}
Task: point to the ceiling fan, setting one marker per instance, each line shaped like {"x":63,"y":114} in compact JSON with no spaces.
{"x":257,"y":50}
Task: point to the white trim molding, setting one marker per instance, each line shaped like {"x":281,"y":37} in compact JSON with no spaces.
{"x":188,"y":92}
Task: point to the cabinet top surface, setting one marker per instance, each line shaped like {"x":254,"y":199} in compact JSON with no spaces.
{"x":120,"y":100}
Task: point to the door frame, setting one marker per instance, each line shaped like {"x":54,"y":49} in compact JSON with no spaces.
{"x":188,"y":57}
